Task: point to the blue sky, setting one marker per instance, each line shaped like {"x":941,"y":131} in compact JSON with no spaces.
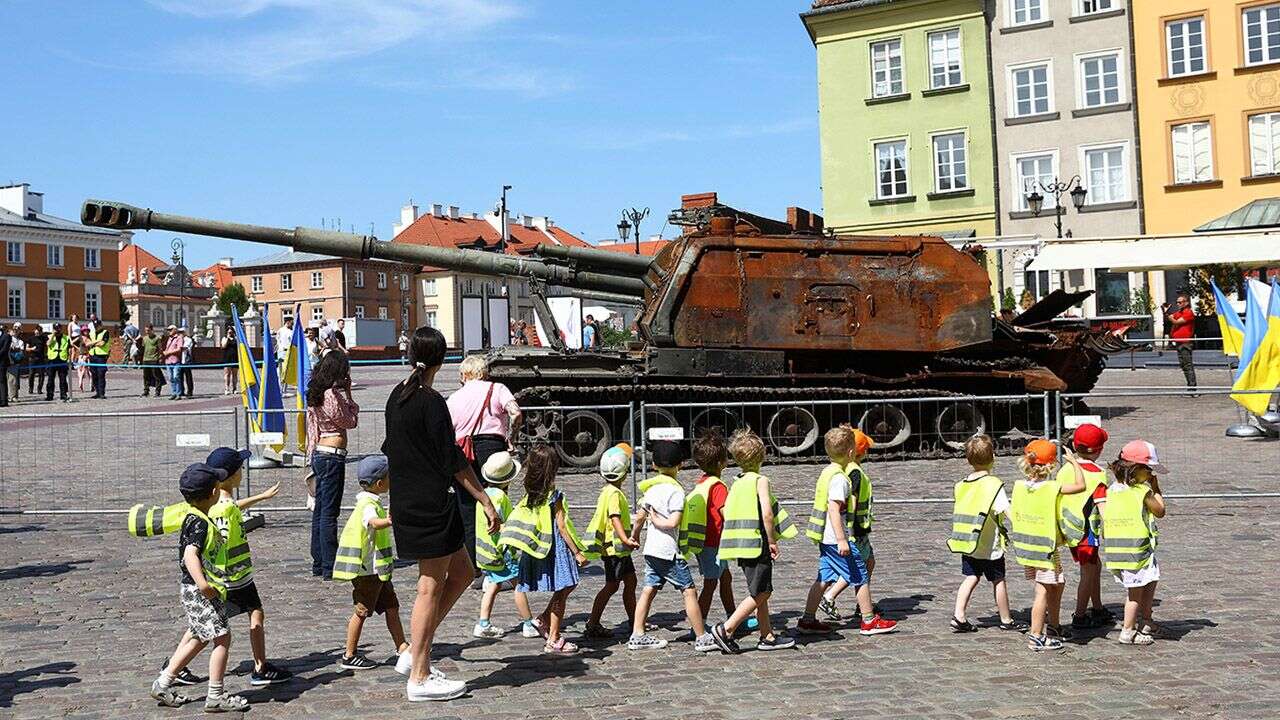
{"x":290,"y":112}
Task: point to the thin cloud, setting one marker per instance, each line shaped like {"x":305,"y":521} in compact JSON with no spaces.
{"x":647,"y":137}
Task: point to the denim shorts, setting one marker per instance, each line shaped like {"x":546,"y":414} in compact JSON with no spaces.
{"x":711,"y":566}
{"x":833,"y":566}
{"x":659,"y":572}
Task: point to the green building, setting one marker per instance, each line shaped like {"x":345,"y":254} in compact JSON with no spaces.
{"x":905,"y":122}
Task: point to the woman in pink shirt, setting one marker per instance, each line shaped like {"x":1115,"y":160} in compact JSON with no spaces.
{"x":330,"y":414}
{"x":488,"y":413}
{"x":172,"y":362}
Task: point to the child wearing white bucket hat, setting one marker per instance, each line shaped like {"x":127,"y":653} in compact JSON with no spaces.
{"x":498,"y":565}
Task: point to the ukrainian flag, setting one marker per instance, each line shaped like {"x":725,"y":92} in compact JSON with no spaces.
{"x":1259,"y":353}
{"x":297,"y":370}
{"x":1228,"y":323}
{"x":269,"y":395}
{"x":248,"y":373}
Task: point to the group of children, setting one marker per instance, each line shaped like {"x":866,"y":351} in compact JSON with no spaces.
{"x":713,"y":525}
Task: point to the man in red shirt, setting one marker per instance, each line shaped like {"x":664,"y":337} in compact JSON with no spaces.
{"x":1182,"y":331}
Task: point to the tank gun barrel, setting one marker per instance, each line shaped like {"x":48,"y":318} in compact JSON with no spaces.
{"x":621,"y":263}
{"x":121,"y":216}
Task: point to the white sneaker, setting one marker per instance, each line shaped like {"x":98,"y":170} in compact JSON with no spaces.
{"x":487,"y":631}
{"x":435,"y":688}
{"x":404,"y":663}
{"x":530,"y":629}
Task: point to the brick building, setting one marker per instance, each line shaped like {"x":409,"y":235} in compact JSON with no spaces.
{"x":161,"y":294}
{"x":55,"y":268}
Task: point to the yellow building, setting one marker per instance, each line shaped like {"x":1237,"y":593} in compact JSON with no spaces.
{"x":1208,"y":88}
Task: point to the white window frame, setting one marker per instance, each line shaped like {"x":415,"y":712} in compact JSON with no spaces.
{"x":1173,"y":147}
{"x":157,"y":317}
{"x":1042,"y":7}
{"x":357,"y":278}
{"x":1168,"y":47}
{"x":61,"y":306}
{"x":946,"y":51}
{"x":286,"y":314}
{"x":54,"y":255}
{"x":286,"y":282}
{"x":429,"y":287}
{"x":255,"y":283}
{"x":888,"y":68}
{"x":1125,"y":167}
{"x":317,"y":313}
{"x":1268,"y":56}
{"x":96,"y":256}
{"x":933,"y":159}
{"x":429,"y":318}
{"x":382,"y":312}
{"x":1272,"y":160}
{"x":1082,"y":9}
{"x":1012,"y":70}
{"x":1020,"y":194}
{"x":906,"y":167}
{"x":404,"y":282}
{"x":382,"y":281}
{"x":19,"y":294}
{"x":317,"y":280}
{"x":21,"y":253}
{"x":359,"y":312}
{"x":1082,"y":92}
{"x":94,"y":297}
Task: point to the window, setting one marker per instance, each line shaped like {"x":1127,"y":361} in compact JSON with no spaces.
{"x":1264,"y":144}
{"x":1100,"y":80}
{"x":255,"y":284}
{"x":1026,"y":11}
{"x":382,"y":281}
{"x":358,"y":278}
{"x":91,"y":303}
{"x":429,"y":318}
{"x":15,"y":303}
{"x":1088,"y":7}
{"x":1032,"y":171}
{"x":55,"y":303}
{"x":1105,"y":175}
{"x":317,"y":280}
{"x":286,"y":281}
{"x":317,"y":313}
{"x":1112,"y":296}
{"x":1036,"y":282}
{"x":429,"y":288}
{"x":1184,"y":41}
{"x":382,"y":312}
{"x":92,"y":260}
{"x":944,"y":59}
{"x":13,"y":253}
{"x":1262,"y":34}
{"x":157,"y":317}
{"x":359,"y":312}
{"x":950,"y":163}
{"x":891,"y":169}
{"x":286,"y":314}
{"x":54,"y":253}
{"x":1192,"y":153}
{"x":404,"y":282}
{"x":886,"y":68}
{"x":1030,"y":90}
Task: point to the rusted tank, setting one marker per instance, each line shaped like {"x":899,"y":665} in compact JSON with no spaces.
{"x":747,"y":320}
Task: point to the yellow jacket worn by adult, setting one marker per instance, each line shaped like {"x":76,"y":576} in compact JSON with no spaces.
{"x":743,"y":535}
{"x":602,"y":541}
{"x":818,"y":515}
{"x":1128,"y":528}
{"x":353,"y":558}
{"x":972,"y":508}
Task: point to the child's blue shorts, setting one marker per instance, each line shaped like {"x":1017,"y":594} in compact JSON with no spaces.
{"x":497,"y":577}
{"x":832,"y":566}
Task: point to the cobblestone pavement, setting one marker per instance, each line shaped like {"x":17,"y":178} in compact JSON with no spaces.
{"x":87,"y":613}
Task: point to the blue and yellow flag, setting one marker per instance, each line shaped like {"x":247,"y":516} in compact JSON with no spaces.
{"x":269,"y":396}
{"x":297,"y":370}
{"x":1259,"y":353}
{"x":244,"y":359}
{"x":1229,"y":323}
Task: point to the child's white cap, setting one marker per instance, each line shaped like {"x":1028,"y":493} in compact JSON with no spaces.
{"x":615,"y":463}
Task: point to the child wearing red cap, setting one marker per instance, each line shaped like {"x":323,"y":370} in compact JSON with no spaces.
{"x":1132,"y":504}
{"x":1036,"y":537}
{"x":1078,"y":521}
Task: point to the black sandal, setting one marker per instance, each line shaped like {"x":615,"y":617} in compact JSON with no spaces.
{"x":962,"y":626}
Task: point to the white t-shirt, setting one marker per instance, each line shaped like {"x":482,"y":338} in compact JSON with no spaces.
{"x":989,"y":545}
{"x":663,"y":500}
{"x":284,"y":336}
{"x":837,"y":489}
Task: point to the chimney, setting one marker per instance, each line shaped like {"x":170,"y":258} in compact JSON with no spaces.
{"x":698,"y":200}
{"x":408,"y":214}
{"x":542,"y":222}
{"x":526,"y":220}
{"x":437,"y":210}
{"x":225,"y":262}
{"x":453,"y":212}
{"x":799,"y":220}
{"x":19,"y":200}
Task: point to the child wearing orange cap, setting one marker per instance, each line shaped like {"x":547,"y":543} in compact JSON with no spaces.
{"x":1036,"y":537}
{"x":1077,"y":518}
{"x":860,"y":515}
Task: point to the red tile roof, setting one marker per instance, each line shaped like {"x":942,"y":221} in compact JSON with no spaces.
{"x":221,"y":275}
{"x":467,"y":232}
{"x":136,"y":257}
{"x":647,"y":247}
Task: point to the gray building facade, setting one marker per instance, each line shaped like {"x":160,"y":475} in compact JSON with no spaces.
{"x":1064,"y":107}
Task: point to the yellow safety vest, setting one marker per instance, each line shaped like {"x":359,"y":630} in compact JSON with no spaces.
{"x":529,"y":529}
{"x":603,"y":541}
{"x":488,"y":555}
{"x":973,"y":500}
{"x":696,"y":516}
{"x":152,"y":520}
{"x":743,"y":536}
{"x":105,"y":348}
{"x":1035,"y":523}
{"x":1071,"y":519}
{"x":235,"y":563}
{"x":682,"y":538}
{"x":1128,"y":529}
{"x":349,"y":563}
{"x":59,"y":348}
{"x":862,"y":516}
{"x":818,"y":517}
{"x":210,"y":554}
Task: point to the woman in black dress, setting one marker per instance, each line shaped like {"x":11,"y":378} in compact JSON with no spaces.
{"x":425,"y":463}
{"x":230,"y":359}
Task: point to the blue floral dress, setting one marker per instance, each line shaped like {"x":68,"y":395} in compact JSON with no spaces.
{"x":557,"y":570}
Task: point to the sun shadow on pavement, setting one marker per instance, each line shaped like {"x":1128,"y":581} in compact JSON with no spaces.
{"x":520,"y":670}
{"x":10,"y":529}
{"x":896,"y":608}
{"x":294,"y":687}
{"x":20,"y":682}
{"x":40,"y":570}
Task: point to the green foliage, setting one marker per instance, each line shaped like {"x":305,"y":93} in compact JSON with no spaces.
{"x":611,"y":338}
{"x":233,"y":294}
{"x":1229,"y":278}
{"x":1007,"y":301}
{"x":1140,"y":303}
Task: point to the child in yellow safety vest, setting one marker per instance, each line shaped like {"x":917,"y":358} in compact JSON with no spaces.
{"x":753,"y":524}
{"x":979,"y":523}
{"x":860,"y":517}
{"x":1077,"y":519}
{"x":662,"y":508}
{"x":204,"y":595}
{"x":1036,"y":538}
{"x":550,"y":552}
{"x":704,"y":510}
{"x":1130,"y":508}
{"x":497,"y":564}
{"x":365,"y":557}
{"x":609,"y":539}
{"x":839,"y":561}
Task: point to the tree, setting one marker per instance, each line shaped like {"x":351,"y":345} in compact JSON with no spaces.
{"x":1228,"y":277}
{"x":1007,"y":301}
{"x":233,"y":295}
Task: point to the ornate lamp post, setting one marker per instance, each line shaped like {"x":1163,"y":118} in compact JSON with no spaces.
{"x":179,"y":261}
{"x":635,"y":216}
{"x":1035,"y":201}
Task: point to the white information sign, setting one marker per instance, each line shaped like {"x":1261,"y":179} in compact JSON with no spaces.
{"x":193,"y":440}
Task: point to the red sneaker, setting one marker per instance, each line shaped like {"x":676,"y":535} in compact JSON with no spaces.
{"x":878,"y":626}
{"x":813,"y":627}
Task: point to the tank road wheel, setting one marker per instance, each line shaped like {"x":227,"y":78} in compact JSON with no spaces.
{"x":654,"y":417}
{"x":792,"y":430}
{"x":957,"y":422}
{"x":720,"y":419}
{"x":887,"y":425}
{"x":584,"y":436}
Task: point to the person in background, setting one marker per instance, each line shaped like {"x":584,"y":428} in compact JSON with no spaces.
{"x":172,"y":358}
{"x":36,"y":349}
{"x":522,"y":333}
{"x":17,"y":359}
{"x":80,"y":352}
{"x":313,"y":346}
{"x":403,"y":344}
{"x":6,"y":345}
{"x":188,"y":351}
{"x":230,"y":360}
{"x":1182,"y":324}
{"x":284,"y":337}
{"x":57,"y":353}
{"x":330,"y":414}
{"x":129,"y":334}
{"x":152,"y":358}
{"x":339,"y":336}
{"x":588,"y":332}
{"x":99,"y":355}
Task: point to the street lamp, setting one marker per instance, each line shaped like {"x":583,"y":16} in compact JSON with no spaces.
{"x":635,"y":216}
{"x":624,"y":230}
{"x":502,"y":246}
{"x":1072,"y":187}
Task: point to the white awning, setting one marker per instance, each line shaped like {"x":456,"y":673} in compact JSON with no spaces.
{"x":1159,"y":253}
